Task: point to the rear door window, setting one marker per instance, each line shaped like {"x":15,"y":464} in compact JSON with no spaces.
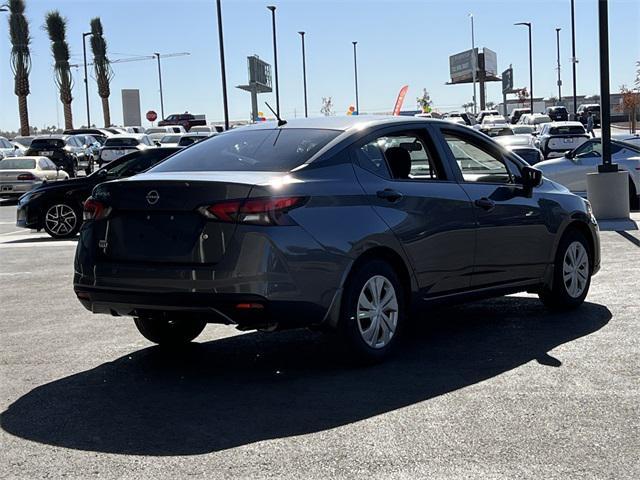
{"x":476,"y":162}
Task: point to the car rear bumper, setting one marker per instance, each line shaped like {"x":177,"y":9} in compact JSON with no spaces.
{"x":16,"y":189}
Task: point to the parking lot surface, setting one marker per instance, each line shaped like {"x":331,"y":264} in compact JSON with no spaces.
{"x":492,"y":389}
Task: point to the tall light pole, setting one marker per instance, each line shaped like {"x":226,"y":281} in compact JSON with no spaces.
{"x":528,"y":25}
{"x":558,"y":57}
{"x":474,"y":64}
{"x":223,"y":70}
{"x":86,"y":83}
{"x":355,"y":72}
{"x":304,"y":75}
{"x":275,"y":56}
{"x":157,"y":55}
{"x":605,"y":91}
{"x":574,"y":60}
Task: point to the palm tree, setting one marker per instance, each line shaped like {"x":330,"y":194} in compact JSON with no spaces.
{"x":56,"y":26}
{"x":102,"y":67}
{"x":20,"y":59}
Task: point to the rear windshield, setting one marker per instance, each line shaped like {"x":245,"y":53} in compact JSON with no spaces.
{"x":47,"y":143}
{"x":185,"y":141}
{"x":521,"y":129}
{"x":17,"y":164}
{"x":251,"y":150}
{"x":170,"y":139}
{"x":530,"y":155}
{"x":155,"y":130}
{"x":567,"y":130}
{"x":541,"y":119}
{"x":121,"y":142}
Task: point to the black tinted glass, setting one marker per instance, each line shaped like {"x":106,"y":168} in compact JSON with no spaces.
{"x":121,"y":142}
{"x":251,"y":150}
{"x":47,"y":143}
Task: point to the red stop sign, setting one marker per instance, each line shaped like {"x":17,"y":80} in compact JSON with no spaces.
{"x":151,"y":116}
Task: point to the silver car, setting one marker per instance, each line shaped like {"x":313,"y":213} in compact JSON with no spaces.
{"x":572,"y":169}
{"x":7,"y":149}
{"x":18,"y":175}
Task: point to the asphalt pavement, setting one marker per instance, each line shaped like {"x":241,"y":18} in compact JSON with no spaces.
{"x":492,"y":389}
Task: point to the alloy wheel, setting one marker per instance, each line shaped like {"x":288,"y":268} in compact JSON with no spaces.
{"x":61,"y":219}
{"x":377,"y":312}
{"x":575,"y":269}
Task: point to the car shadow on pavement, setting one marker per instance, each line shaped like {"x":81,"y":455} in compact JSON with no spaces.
{"x":248,"y":388}
{"x":42,"y":240}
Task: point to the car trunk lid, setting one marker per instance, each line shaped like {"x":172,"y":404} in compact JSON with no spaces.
{"x":156,"y":218}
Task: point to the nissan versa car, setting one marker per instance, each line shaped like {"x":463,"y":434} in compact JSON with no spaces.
{"x":338,"y":223}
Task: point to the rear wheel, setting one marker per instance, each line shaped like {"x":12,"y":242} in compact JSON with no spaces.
{"x":62,"y":220}
{"x":165,"y":330}
{"x":572,"y":273}
{"x":372,"y":312}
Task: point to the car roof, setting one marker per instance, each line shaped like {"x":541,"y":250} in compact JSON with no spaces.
{"x":566,"y":124}
{"x":343,"y":123}
{"x":24,"y":157}
{"x":52,"y":135}
{"x":137,"y":136}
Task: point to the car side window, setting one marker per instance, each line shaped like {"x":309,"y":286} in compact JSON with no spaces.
{"x":476,"y":163}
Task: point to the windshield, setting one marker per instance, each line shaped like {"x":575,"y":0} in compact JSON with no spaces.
{"x":541,"y":119}
{"x":156,"y":130}
{"x":567,"y":130}
{"x":521,"y":129}
{"x":530,"y":155}
{"x":47,"y":143}
{"x":278,"y":150}
{"x":17,"y":164}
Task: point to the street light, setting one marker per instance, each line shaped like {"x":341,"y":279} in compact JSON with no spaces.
{"x":304,"y":75}
{"x":574,"y":60}
{"x":275,"y":56}
{"x":157,"y":55}
{"x":528,"y":25}
{"x":86,"y":83}
{"x":559,"y":79}
{"x":355,"y":71}
{"x":223,"y":69}
{"x":473,"y":65}
{"x":605,"y":91}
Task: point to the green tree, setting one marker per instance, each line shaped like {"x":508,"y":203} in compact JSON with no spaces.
{"x":56,"y":27}
{"x":20,"y":59}
{"x":102,"y":67}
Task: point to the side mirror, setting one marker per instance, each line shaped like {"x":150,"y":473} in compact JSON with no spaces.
{"x":531,"y":177}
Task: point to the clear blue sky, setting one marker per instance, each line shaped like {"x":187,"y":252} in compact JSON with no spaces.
{"x":400,"y":42}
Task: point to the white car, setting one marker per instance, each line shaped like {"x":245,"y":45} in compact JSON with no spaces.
{"x":557,"y":138}
{"x":18,"y":175}
{"x":633,"y":138}
{"x":571,"y":170}
{"x":522,"y":145}
{"x":535,"y":120}
{"x":7,"y":149}
{"x":170,"y":140}
{"x":205,"y":129}
{"x":487,"y":113}
{"x":117,"y":146}
{"x":156,"y":133}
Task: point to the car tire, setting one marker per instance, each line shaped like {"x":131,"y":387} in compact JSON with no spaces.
{"x":168,"y":331}
{"x":571,"y":273}
{"x":62,"y":220}
{"x":369,"y":329}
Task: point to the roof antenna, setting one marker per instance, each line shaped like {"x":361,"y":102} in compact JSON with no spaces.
{"x":281,"y":122}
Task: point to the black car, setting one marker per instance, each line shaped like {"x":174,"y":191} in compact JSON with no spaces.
{"x":57,"y":207}
{"x":336,"y":223}
{"x":66,"y":151}
{"x":558,"y":113}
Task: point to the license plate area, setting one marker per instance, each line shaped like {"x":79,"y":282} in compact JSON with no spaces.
{"x":6,"y":188}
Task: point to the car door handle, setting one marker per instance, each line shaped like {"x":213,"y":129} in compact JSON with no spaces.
{"x":485,"y":203}
{"x":389,"y":194}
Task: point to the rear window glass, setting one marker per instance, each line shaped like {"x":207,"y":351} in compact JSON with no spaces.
{"x":530,"y":155}
{"x":155,"y":130}
{"x":541,"y":119}
{"x":47,"y":143}
{"x":121,"y":142}
{"x":251,"y":150}
{"x":567,"y":130}
{"x":170,"y":139}
{"x":17,"y":163}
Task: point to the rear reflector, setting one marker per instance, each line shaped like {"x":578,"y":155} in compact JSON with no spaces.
{"x":258,"y":211}
{"x":95,"y":210}
{"x":249,"y":306}
{"x":26,"y":176}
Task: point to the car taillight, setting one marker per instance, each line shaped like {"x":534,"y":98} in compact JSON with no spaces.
{"x":27,"y":176}
{"x":257,"y":211}
{"x":95,"y":210}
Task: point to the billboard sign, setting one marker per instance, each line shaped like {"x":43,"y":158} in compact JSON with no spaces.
{"x":507,"y":81}
{"x":461,"y":65}
{"x":259,"y":72}
{"x":131,"y":113}
{"x":490,"y":62}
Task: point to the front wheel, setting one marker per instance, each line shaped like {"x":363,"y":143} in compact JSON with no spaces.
{"x":167,"y":331}
{"x":572,"y":274}
{"x":62,"y":220}
{"x":372,"y":315}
